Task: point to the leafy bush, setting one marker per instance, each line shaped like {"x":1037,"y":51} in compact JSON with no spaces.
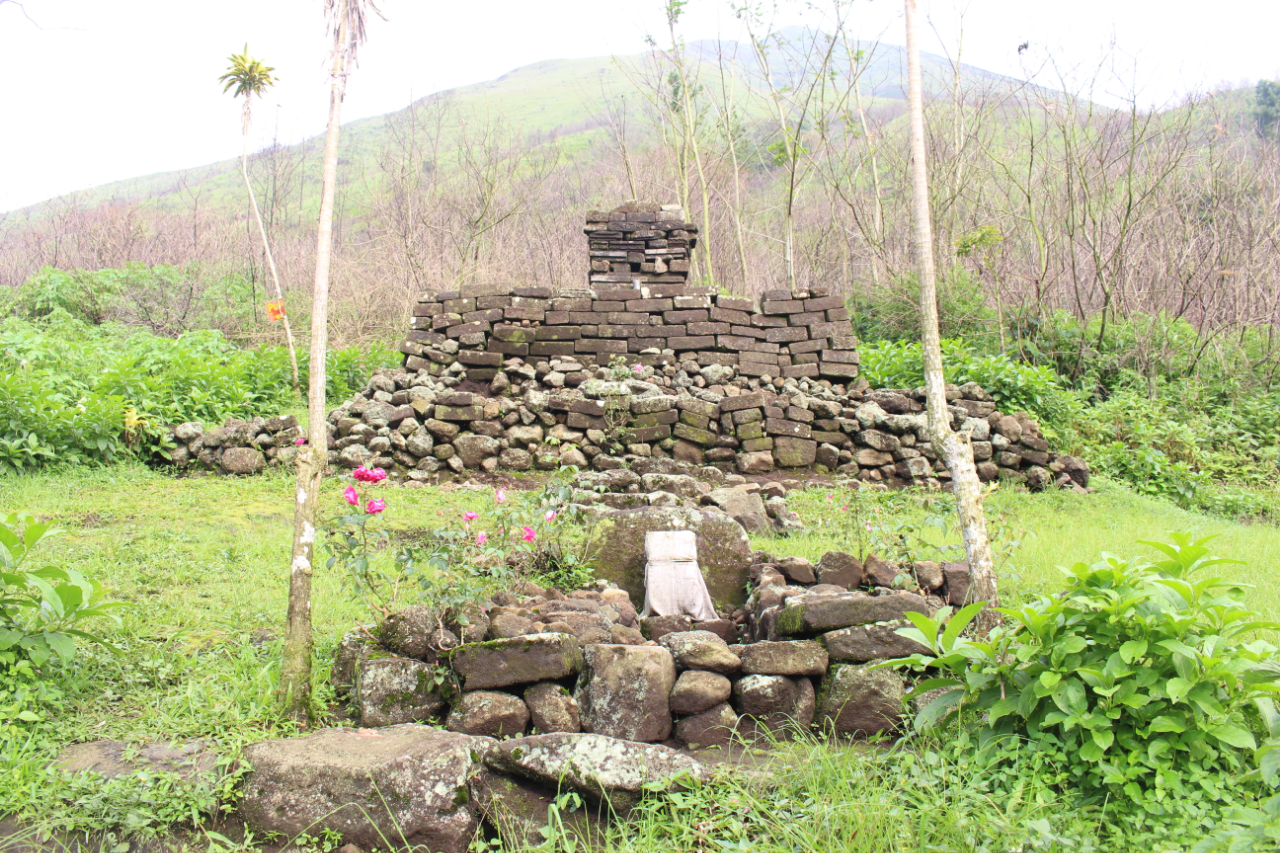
{"x":80,"y":393}
{"x":1130,"y":689}
{"x":41,"y":615}
{"x":1015,"y":387}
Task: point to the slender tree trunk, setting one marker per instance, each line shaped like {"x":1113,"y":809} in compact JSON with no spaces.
{"x":295,"y":675}
{"x":953,"y":448}
{"x":266,"y":248}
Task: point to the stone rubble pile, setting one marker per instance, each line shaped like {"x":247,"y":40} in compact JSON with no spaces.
{"x":237,"y":447}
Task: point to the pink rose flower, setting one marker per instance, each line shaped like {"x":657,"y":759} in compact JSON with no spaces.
{"x":369,"y":475}
{"x":299,"y":441}
{"x":639,"y":368}
{"x":551,"y":515}
{"x":375,"y":506}
{"x":482,"y":538}
{"x":528,"y":534}
{"x":501,"y":495}
{"x":352,"y":496}
{"x":471,"y":516}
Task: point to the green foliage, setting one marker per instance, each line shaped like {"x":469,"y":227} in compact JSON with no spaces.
{"x":41,"y":614}
{"x":78,"y":393}
{"x":453,"y":568}
{"x":1266,"y":108}
{"x":89,"y":296}
{"x":1131,"y":688}
{"x":893,"y":313}
{"x":1014,"y":386}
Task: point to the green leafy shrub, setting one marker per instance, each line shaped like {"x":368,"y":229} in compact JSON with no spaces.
{"x":1014,"y":386}
{"x":1130,"y":689}
{"x":42,"y":611}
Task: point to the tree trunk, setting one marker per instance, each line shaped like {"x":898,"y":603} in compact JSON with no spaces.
{"x":295,"y":674}
{"x":954,"y":449}
{"x":266,"y":248}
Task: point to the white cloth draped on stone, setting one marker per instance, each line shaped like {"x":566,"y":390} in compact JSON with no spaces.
{"x":673,"y":583}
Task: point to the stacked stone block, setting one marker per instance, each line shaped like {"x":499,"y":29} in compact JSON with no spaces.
{"x":638,"y":244}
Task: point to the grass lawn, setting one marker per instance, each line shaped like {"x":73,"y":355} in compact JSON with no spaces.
{"x":203,"y":562}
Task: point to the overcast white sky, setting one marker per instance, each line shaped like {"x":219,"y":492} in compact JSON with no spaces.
{"x":97,"y":91}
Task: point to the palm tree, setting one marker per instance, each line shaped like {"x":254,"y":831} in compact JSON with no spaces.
{"x":346,"y":20}
{"x":952,"y":448}
{"x":250,"y":79}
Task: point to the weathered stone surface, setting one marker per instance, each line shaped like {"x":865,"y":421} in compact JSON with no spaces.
{"x":879,"y":572}
{"x":701,"y":650}
{"x":862,"y":643}
{"x":698,"y":691}
{"x":860,"y":700}
{"x":552,"y":708}
{"x":516,"y":809}
{"x":518,"y":660}
{"x":406,"y":781}
{"x":506,"y":625}
{"x":784,"y":657}
{"x":474,"y":449}
{"x":617,"y":545}
{"x":391,"y":690}
{"x":355,"y":647}
{"x":624,"y":691}
{"x":107,"y":758}
{"x":958,"y":579}
{"x":602,"y":769}
{"x":489,"y":714}
{"x":840,"y":569}
{"x":408,"y":631}
{"x":798,"y":570}
{"x":714,"y":727}
{"x":755,"y":462}
{"x":775,"y":703}
{"x":243,"y":460}
{"x":657,"y":627}
{"x":790,"y":452}
{"x":814,"y":614}
{"x":928,"y":574}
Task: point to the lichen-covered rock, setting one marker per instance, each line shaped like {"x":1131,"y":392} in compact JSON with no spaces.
{"x":783,"y":657}
{"x":862,"y":643}
{"x":696,"y":692}
{"x":409,"y":630}
{"x":860,"y":700}
{"x":617,"y":546}
{"x":624,"y":691}
{"x":552,"y":708}
{"x":775,"y":703}
{"x":489,"y":714}
{"x":517,"y":660}
{"x":701,"y":650}
{"x":113,"y":759}
{"x":657,"y":627}
{"x":406,"y":781}
{"x":602,"y":769}
{"x":354,"y":648}
{"x":243,"y":460}
{"x":814,"y":614}
{"x":390,"y":690}
{"x":714,"y":727}
{"x":506,"y":625}
{"x":474,"y":449}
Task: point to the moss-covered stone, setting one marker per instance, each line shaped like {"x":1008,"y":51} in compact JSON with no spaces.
{"x":624,"y":691}
{"x":813,"y":614}
{"x":517,"y":660}
{"x":860,"y":700}
{"x":724,"y":554}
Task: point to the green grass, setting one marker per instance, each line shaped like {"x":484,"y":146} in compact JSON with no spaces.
{"x":203,"y":561}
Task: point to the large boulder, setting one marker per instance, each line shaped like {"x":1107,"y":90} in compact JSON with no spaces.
{"x":390,"y":690}
{"x":517,"y":660}
{"x":371,"y":786}
{"x":243,"y":460}
{"x":602,"y":769}
{"x":724,"y":554}
{"x":860,"y":700}
{"x":624,"y":691}
{"x":490,"y":714}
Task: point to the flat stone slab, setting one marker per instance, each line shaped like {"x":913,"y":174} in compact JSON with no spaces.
{"x":862,"y":643}
{"x":517,"y":660}
{"x":815,"y":614}
{"x":113,"y":759}
{"x":783,"y":657}
{"x":602,"y":769}
{"x":400,"y":784}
